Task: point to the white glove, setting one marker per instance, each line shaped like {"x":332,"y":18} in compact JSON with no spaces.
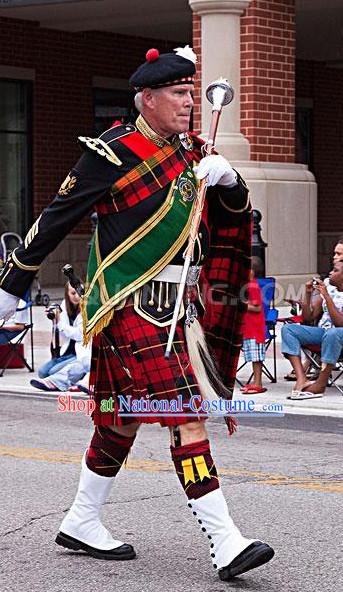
{"x":8,"y":304}
{"x":218,"y":171}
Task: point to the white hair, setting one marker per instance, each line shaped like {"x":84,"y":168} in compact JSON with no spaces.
{"x":139,"y":101}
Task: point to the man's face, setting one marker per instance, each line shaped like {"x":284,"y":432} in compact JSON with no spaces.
{"x":336,"y":275}
{"x":338,"y":253}
{"x":168,"y":109}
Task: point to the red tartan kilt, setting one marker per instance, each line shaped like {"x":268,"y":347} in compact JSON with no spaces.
{"x":141,"y":345}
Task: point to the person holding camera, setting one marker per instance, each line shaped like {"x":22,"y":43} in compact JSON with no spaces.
{"x":338,"y":250}
{"x":327,"y":309}
{"x":296,"y":311}
{"x":67,"y":323}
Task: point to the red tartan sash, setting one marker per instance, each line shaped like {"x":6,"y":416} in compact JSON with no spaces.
{"x":159,"y":168}
{"x":139,"y":145}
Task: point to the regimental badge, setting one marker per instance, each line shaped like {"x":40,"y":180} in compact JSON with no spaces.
{"x":67,"y":185}
{"x":187,"y":189}
{"x":186,"y":141}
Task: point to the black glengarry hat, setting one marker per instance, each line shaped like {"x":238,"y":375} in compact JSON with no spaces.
{"x":165,"y":69}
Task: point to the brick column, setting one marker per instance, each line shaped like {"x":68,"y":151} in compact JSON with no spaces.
{"x":252,"y":43}
{"x":268,"y":79}
{"x":220,"y":56}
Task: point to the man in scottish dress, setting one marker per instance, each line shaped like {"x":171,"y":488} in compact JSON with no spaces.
{"x":141,"y":181}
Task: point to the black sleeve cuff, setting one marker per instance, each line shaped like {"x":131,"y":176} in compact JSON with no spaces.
{"x":234,"y":199}
{"x":14,"y":280}
{"x":227,"y":205}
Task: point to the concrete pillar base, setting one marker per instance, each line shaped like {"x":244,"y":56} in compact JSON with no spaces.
{"x":286,"y":196}
{"x":233,"y":146}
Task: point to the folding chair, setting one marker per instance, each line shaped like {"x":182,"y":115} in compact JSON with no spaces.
{"x":14,"y":349}
{"x":267,"y":286}
{"x":9,"y":241}
{"x":312,"y":353}
{"x":339,"y":370}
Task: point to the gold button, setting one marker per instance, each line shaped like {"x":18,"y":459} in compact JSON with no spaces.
{"x":200,"y":234}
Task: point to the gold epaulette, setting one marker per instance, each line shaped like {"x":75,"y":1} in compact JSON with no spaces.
{"x":101,"y":148}
{"x":101,"y":145}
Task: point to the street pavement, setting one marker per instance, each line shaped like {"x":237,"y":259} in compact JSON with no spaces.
{"x":281,"y":474}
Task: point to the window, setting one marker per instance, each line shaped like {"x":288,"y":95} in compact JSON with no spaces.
{"x":15,"y":156}
{"x":111,"y":105}
{"x":304,"y":118}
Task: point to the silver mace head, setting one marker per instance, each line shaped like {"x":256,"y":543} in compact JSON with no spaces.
{"x":219,"y":93}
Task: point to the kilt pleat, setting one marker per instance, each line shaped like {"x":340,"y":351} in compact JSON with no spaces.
{"x":152,"y":377}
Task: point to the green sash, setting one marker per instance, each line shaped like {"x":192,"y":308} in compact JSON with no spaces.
{"x":140,"y":257}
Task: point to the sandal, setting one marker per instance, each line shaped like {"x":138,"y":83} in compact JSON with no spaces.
{"x":44,"y":385}
{"x":245,"y":388}
{"x":294,"y":394}
{"x":253,"y":389}
{"x":302,"y":395}
{"x":78,"y":388}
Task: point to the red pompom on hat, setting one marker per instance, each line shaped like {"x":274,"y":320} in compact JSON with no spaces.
{"x":152,"y":55}
{"x":165,"y":69}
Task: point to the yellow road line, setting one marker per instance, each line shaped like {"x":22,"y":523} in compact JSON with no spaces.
{"x":148,"y":465}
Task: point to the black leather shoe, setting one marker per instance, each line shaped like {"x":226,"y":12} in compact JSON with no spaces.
{"x":122,"y":553}
{"x":253,"y":556}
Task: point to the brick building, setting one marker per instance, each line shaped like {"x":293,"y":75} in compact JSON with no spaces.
{"x":64,"y":67}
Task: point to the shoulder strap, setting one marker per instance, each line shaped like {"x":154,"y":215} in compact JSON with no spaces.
{"x":102,"y":145}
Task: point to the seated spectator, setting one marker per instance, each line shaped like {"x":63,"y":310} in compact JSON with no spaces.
{"x":15,"y":324}
{"x":253,"y":331}
{"x":71,"y":374}
{"x":313,"y":373}
{"x":68,"y":321}
{"x":338,"y":251}
{"x":296,"y":317}
{"x":327,"y":310}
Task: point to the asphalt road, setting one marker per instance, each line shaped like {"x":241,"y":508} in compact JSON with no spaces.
{"x":282,"y":478}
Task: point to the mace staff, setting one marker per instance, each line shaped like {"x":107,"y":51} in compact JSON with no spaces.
{"x":219,"y":93}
